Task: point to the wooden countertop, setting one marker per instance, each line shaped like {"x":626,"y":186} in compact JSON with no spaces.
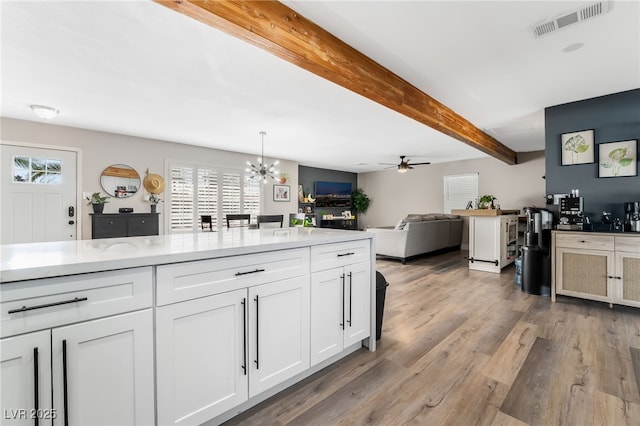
{"x":484,"y":212}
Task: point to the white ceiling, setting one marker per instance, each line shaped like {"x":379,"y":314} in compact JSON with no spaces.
{"x":138,"y":68}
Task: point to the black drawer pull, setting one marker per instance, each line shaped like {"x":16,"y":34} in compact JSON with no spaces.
{"x":249,"y":272}
{"x":47,"y":305}
{"x":582,"y":241}
{"x":346,"y":254}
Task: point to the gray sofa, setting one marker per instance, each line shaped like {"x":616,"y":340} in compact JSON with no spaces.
{"x":418,"y":234}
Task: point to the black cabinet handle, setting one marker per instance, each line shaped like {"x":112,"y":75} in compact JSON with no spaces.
{"x":47,"y":305}
{"x":257,"y":360}
{"x":346,"y":254}
{"x":36,"y":405}
{"x":244,"y":335}
{"x":350,"y":294}
{"x":255,"y":271}
{"x":343,"y":300}
{"x":582,"y":241}
{"x":65,"y":385}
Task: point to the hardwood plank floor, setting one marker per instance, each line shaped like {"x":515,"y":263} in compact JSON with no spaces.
{"x":464,"y":347}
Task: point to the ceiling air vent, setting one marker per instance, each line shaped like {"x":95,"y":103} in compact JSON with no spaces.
{"x":570,"y":18}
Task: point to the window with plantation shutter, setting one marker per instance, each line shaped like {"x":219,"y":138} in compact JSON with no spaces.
{"x":201,"y":190}
{"x":182,"y":198}
{"x":208,"y":195}
{"x":459,"y":190}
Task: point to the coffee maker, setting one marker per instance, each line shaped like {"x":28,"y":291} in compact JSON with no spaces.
{"x":632,"y":216}
{"x":536,"y":252}
{"x":571,"y":218}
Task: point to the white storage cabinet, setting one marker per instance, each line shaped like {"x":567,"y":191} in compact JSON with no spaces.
{"x":247,"y":334}
{"x":340,"y":297}
{"x":493,"y":242}
{"x":83,"y":341}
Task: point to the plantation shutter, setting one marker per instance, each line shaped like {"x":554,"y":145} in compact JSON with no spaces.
{"x":459,"y":190}
{"x":208,"y":195}
{"x":251,"y":199}
{"x":201,"y":190}
{"x":182,"y":198}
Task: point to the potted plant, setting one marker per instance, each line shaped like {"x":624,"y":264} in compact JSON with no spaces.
{"x":486,"y":202}
{"x":359,"y":202}
{"x":154,"y":199}
{"x":284,"y":177}
{"x":97,"y":201}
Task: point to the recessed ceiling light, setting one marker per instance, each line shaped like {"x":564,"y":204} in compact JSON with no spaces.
{"x":44,"y":112}
{"x":573,"y":47}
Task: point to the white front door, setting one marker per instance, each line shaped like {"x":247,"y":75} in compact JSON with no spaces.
{"x":38,"y":194}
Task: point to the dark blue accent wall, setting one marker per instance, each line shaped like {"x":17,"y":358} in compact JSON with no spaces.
{"x":613,"y":118}
{"x":307,"y":177}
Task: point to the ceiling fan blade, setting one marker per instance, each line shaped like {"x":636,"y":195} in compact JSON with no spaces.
{"x":419,"y":164}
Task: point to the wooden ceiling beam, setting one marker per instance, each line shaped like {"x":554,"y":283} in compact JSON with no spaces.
{"x":276,"y":28}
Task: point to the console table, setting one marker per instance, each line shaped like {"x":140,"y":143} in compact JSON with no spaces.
{"x":338,"y":223}
{"x":113,"y":225}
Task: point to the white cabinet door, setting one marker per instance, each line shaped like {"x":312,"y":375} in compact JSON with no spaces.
{"x":103,"y":371}
{"x":26,"y":372}
{"x":201,"y":355}
{"x":340,"y":309}
{"x":327,"y":314}
{"x":278,"y":332}
{"x":357,"y":303}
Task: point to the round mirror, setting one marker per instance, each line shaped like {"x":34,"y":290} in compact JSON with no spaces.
{"x":120,"y":181}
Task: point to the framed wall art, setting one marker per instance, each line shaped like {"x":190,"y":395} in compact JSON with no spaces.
{"x":577,"y":148}
{"x":281,"y":193}
{"x":618,"y":159}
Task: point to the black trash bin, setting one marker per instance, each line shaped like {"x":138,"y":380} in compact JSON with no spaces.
{"x":381,"y":291}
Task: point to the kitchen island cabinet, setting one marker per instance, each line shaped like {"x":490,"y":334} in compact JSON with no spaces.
{"x":233,"y":321}
{"x":96,"y":370}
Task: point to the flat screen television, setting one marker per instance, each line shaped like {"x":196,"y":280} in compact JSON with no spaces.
{"x":333,"y":194}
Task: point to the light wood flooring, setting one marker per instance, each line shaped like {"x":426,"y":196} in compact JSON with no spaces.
{"x":464,"y":347}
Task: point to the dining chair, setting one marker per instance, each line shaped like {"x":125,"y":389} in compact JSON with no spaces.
{"x":238,"y":219}
{"x":206,"y":222}
{"x":270,"y":218}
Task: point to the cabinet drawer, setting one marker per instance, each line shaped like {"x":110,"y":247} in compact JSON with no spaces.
{"x":628,"y":243}
{"x":142,"y":226}
{"x":329,"y":256}
{"x":585,"y":241}
{"x":190,"y":280}
{"x":50,"y":302}
{"x":109,"y":227}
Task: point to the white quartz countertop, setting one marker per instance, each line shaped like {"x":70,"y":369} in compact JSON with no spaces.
{"x":42,"y":260}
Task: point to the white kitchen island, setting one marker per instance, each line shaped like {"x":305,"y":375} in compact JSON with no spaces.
{"x":177,"y":329}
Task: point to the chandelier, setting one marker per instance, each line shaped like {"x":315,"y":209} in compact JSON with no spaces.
{"x":261,"y":171}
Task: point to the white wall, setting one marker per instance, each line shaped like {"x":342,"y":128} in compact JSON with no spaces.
{"x":101,"y":149}
{"x":421,"y":190}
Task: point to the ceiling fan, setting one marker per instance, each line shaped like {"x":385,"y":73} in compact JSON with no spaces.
{"x":404,"y":164}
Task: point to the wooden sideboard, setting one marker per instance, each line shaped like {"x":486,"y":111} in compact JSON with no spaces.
{"x":113,"y":225}
{"x":596,"y":266}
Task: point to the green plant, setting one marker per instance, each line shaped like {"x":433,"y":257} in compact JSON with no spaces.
{"x":485,"y":201}
{"x":359,"y":201}
{"x":96,"y":198}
